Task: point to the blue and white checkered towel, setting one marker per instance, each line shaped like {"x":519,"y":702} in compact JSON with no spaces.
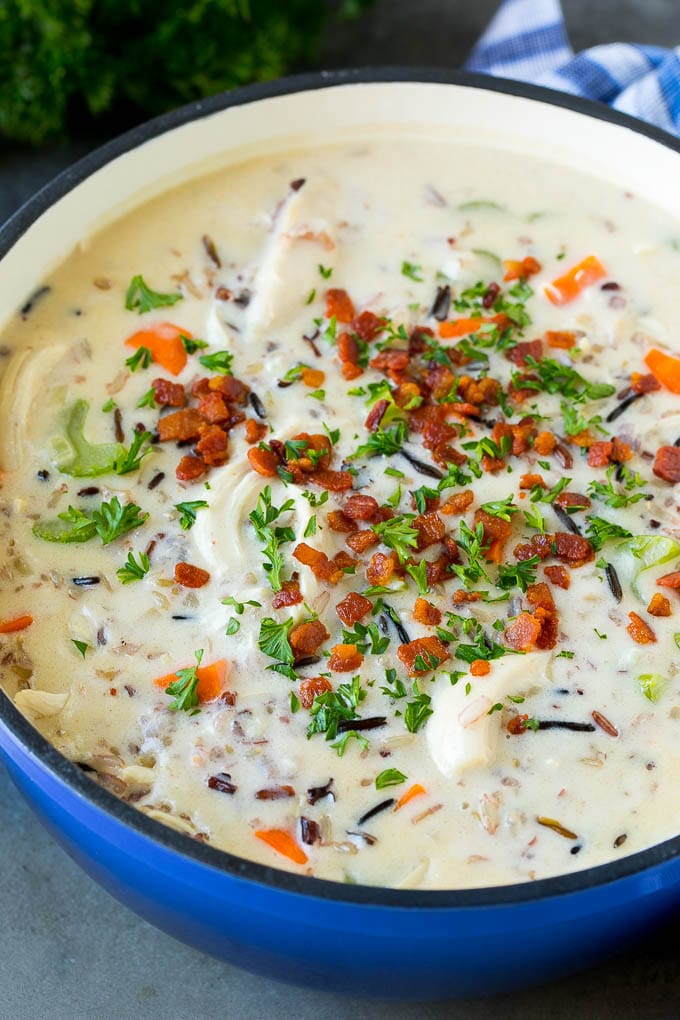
{"x":527,"y":41}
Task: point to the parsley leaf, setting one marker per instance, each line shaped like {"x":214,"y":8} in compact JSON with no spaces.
{"x":501,"y":508}
{"x":133,"y":571}
{"x":261,"y":519}
{"x":188,"y":511}
{"x":141,"y":357}
{"x":131,"y":459}
{"x":599,"y":531}
{"x":191,"y":345}
{"x":184,"y":688}
{"x":397,"y":533}
{"x":331,"y":707}
{"x":273,"y":640}
{"x":141,"y":298}
{"x":389,"y":777}
{"x":412,"y":270}
{"x":383,"y":441}
{"x":520,"y":574}
{"x":614,"y":496}
{"x":148,"y":400}
{"x":418,"y":572}
{"x":82,"y":646}
{"x":112,"y":520}
{"x":219,"y":362}
{"x":418,"y":711}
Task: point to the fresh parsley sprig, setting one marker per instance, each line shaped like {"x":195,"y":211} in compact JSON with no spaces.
{"x":184,"y":689}
{"x":134,"y":570}
{"x":261,"y":518}
{"x":188,"y":511}
{"x":141,"y":298}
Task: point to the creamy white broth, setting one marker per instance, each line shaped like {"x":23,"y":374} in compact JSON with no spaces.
{"x":370,"y":208}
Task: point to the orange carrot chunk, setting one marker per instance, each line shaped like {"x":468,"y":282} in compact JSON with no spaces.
{"x":461,"y":327}
{"x":665,"y":368}
{"x":413,"y":791}
{"x":164,"y":340}
{"x":18,"y":623}
{"x":568,"y":287}
{"x":283,"y":843}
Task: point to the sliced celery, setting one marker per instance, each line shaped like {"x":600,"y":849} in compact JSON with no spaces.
{"x":74,"y":455}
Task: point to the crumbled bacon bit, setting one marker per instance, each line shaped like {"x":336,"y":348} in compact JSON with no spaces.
{"x":265,"y":462}
{"x":190,"y":576}
{"x":544,"y":443}
{"x":496,"y":533}
{"x":306,"y":638}
{"x":345,"y":659}
{"x":518,"y":724}
{"x":353,"y":608}
{"x":168,"y":394}
{"x":367,"y":326}
{"x":334,"y":481}
{"x":190,"y":468}
{"x":339,"y":305}
{"x":255,"y":430}
{"x":640,"y":631}
{"x":360,"y":541}
{"x":659,"y":605}
{"x":361,"y":508}
{"x":213,"y":445}
{"x":339,"y":521}
{"x":572,"y":499}
{"x":431,"y":529}
{"x":233,"y":390}
{"x":667,"y":464}
{"x":525,"y":348}
{"x":480,"y":667}
{"x":529,"y":480}
{"x":461,"y":596}
{"x":213,"y":408}
{"x":180,"y":426}
{"x":290,"y":595}
{"x":558,"y":575}
{"x":428,"y":649}
{"x":309,"y":689}
{"x":320,"y":565}
{"x":424,"y":612}
{"x":380,"y":568}
{"x":458,"y":503}
{"x":516,"y":269}
{"x":646,"y":383}
{"x":523,"y":632}
{"x":375,"y":415}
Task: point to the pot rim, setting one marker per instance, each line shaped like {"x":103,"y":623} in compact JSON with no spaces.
{"x":67,"y":772}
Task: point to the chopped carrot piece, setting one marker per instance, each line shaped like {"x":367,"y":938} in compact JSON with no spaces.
{"x":413,"y":791}
{"x":516,"y":269}
{"x":165,"y":343}
{"x":312,"y":377}
{"x":211,"y":680}
{"x":283,"y":843}
{"x":461,"y":327}
{"x":665,"y":369}
{"x":671,"y":580}
{"x":563,"y":339}
{"x":572,"y":283}
{"x":18,"y":623}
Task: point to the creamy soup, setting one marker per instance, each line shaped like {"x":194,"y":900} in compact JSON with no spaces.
{"x":339,"y":514}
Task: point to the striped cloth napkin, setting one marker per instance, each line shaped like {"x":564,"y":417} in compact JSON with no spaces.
{"x":527,"y":41}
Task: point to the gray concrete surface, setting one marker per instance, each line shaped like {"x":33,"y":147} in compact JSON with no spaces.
{"x":70,"y":952}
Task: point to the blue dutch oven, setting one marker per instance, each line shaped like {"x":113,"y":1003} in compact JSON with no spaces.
{"x":359,"y":940}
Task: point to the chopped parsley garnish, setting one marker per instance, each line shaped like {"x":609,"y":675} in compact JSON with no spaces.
{"x":383,"y":441}
{"x":418,"y":711}
{"x":261,"y":519}
{"x":219,"y":362}
{"x":599,"y":531}
{"x":316,"y":499}
{"x":140,"y":298}
{"x":397,"y":533}
{"x":184,"y":688}
{"x":618,"y":496}
{"x":141,"y":358}
{"x":317,"y":394}
{"x":412,"y":270}
{"x":363,"y":635}
{"x":418,"y":572}
{"x":110,"y":521}
{"x":131,"y":459}
{"x":110,"y":405}
{"x":273,"y":640}
{"x":188,"y":511}
{"x":82,"y":646}
{"x":394,"y":686}
{"x":554,"y":377}
{"x":472,"y":544}
{"x":520,"y":574}
{"x":389,"y":777}
{"x":148,"y":400}
{"x":340,"y":745}
{"x":133,"y":570}
{"x":191,"y":344}
{"x":534,"y":519}
{"x":310,"y":528}
{"x":502,"y":508}
{"x":331,"y":707}
{"x":325,"y":272}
